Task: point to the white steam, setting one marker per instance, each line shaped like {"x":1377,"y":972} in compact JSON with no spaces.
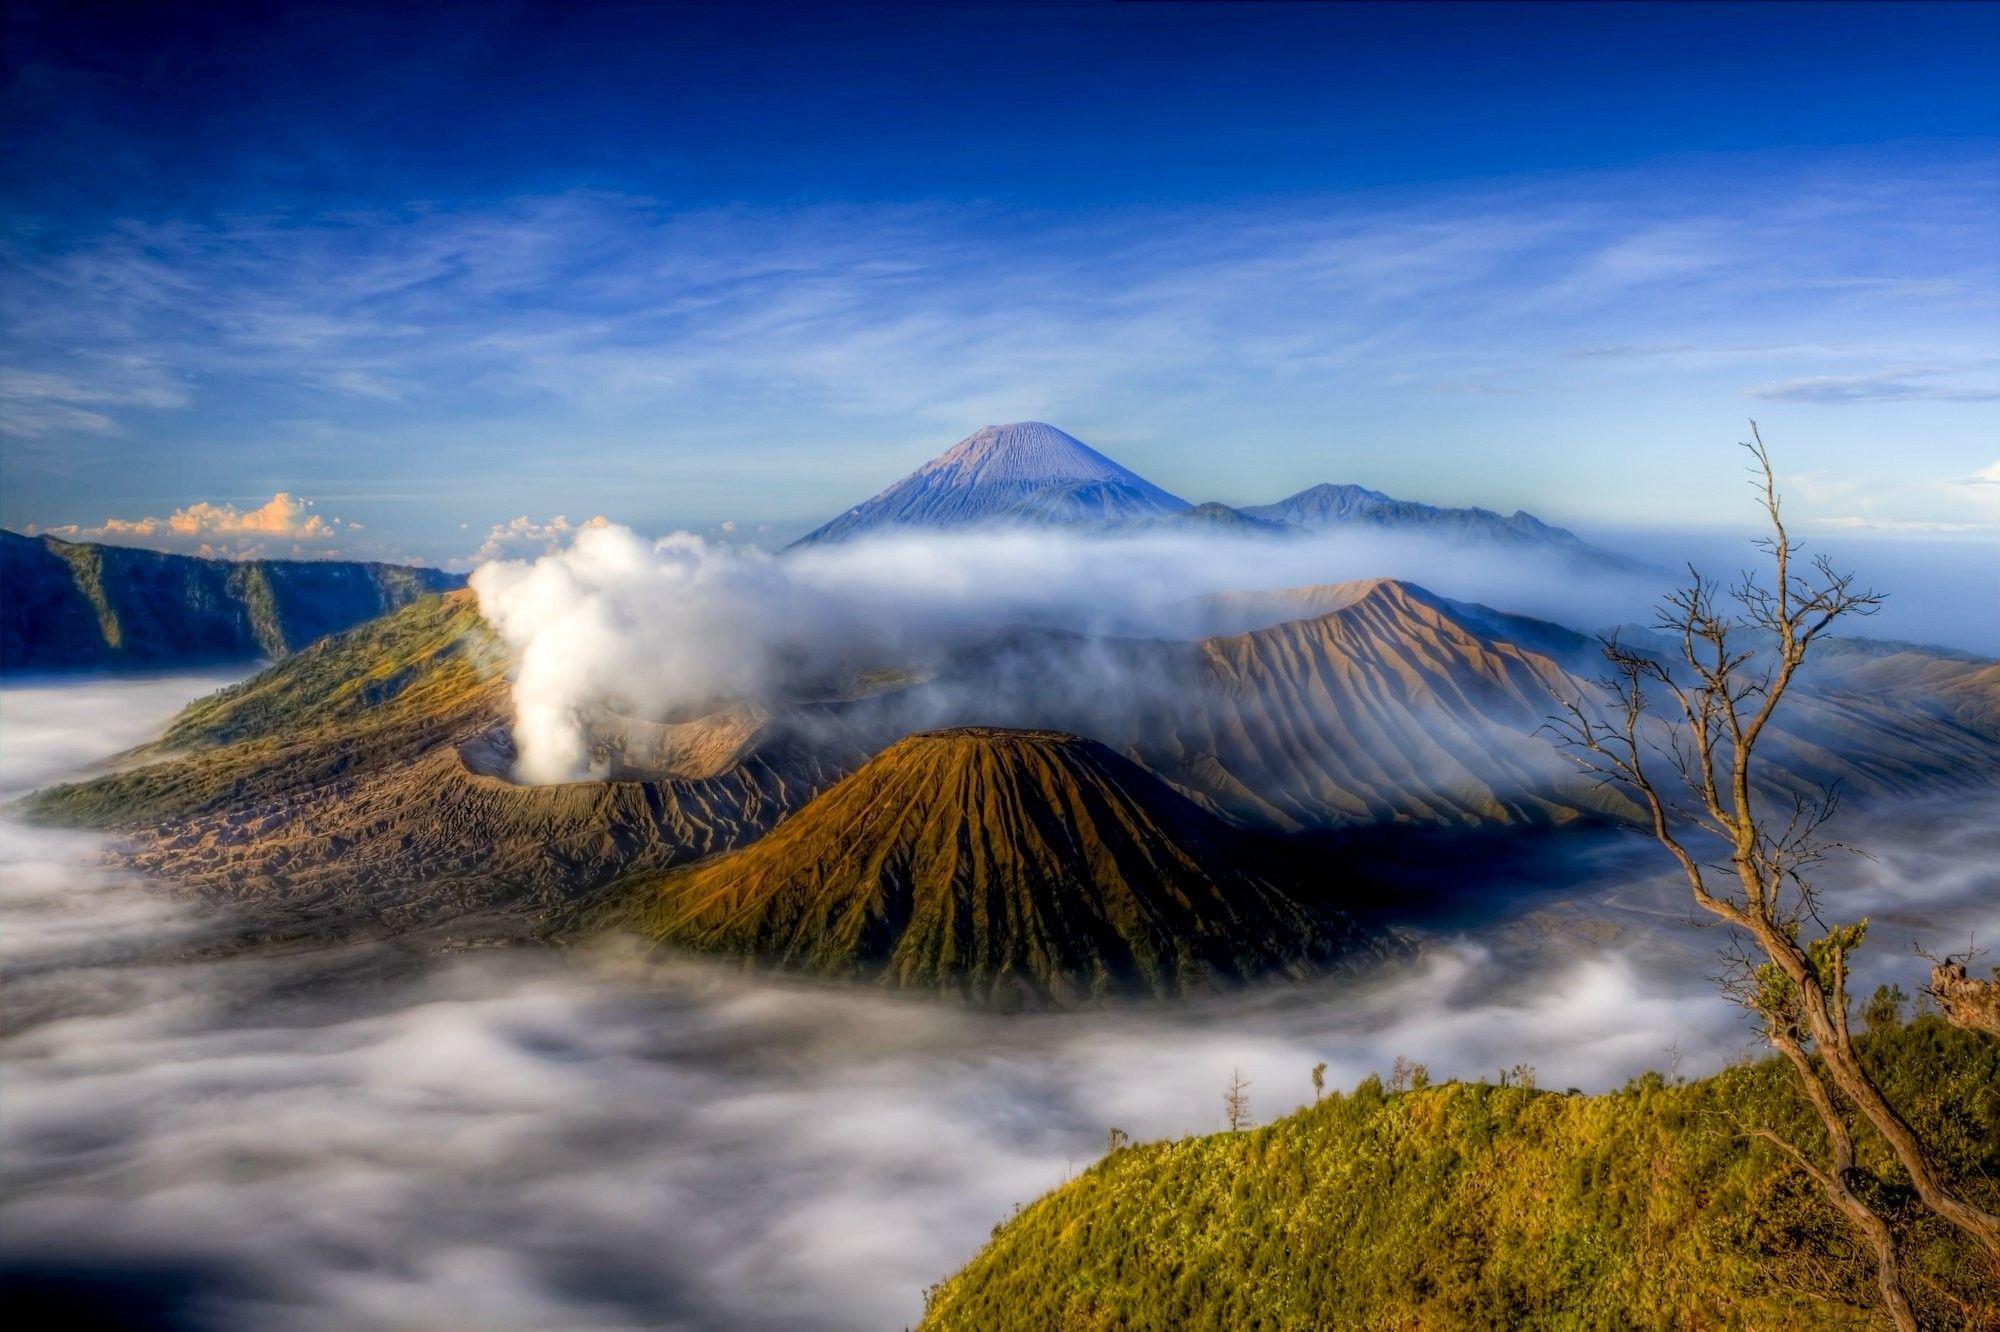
{"x":668,"y":627}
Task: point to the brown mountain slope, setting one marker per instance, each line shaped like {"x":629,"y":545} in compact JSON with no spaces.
{"x":1967,"y":692}
{"x":1003,"y":864}
{"x":1396,"y":705}
{"x":1387,"y":708}
{"x":366,"y":777}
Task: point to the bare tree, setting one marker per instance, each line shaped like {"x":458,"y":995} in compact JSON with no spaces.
{"x":1115,"y":1138}
{"x":1236,"y":1101}
{"x":1319,"y":1080}
{"x":1399,"y":1074}
{"x":1717,"y":700}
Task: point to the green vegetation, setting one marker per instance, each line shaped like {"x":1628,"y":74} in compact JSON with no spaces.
{"x":252,"y":586}
{"x":375,"y":695}
{"x":86,"y":566}
{"x":415,"y":661}
{"x":1473,"y":1206}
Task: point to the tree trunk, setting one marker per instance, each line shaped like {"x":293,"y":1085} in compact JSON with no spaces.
{"x":1844,"y":1067}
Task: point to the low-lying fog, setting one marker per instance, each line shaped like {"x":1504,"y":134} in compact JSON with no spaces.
{"x":661,"y":627}
{"x":372,"y":1135}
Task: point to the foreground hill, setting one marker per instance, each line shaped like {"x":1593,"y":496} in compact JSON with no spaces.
{"x":69,"y":605}
{"x":1473,"y":1206}
{"x":1006,"y":864}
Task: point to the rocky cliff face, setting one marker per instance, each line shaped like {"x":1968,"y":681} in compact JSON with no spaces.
{"x":71,"y":605}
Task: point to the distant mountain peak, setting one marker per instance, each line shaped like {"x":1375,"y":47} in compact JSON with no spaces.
{"x":1025,"y":451}
{"x":1328,"y":507}
{"x":1030,"y":473}
{"x":1023,"y":472}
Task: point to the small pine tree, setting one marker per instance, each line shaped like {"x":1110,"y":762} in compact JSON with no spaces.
{"x":1114,"y":1138}
{"x":1319,"y":1080}
{"x":1884,"y":1010}
{"x":1420,"y":1076}
{"x":1236,"y":1101}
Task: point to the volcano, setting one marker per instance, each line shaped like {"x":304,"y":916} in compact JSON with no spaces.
{"x":1023,"y":865}
{"x":1027,"y":472}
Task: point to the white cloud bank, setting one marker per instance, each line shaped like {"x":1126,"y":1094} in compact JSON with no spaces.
{"x":285,"y":524}
{"x":667,"y":627}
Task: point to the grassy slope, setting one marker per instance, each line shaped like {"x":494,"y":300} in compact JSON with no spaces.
{"x":383,"y":691}
{"x":1473,"y":1206}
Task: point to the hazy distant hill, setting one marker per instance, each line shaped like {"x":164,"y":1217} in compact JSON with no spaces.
{"x":1324,"y":506}
{"x":68,"y":605}
{"x":1027,"y":472}
{"x":1379,"y":702}
{"x":1004,"y":864}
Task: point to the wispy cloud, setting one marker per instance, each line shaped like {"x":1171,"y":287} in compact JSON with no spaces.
{"x":1885,"y":386}
{"x":81,"y":398}
{"x":593,"y":321}
{"x":1900,"y":503}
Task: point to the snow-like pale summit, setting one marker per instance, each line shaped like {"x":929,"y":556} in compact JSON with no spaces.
{"x":1030,"y":451}
{"x":1027,"y":472}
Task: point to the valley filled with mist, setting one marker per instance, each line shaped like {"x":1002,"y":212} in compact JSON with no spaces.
{"x":377,"y":1132}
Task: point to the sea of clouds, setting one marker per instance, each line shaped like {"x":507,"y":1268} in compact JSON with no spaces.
{"x":373,"y":1135}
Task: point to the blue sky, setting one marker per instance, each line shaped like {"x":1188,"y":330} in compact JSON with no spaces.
{"x":423,"y":274}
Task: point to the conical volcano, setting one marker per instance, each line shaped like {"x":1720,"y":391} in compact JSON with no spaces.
{"x":1027,"y":472}
{"x":1003,"y":864}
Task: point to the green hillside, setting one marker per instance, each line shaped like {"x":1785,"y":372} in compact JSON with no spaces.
{"x":374,"y":696}
{"x":1474,"y":1206}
